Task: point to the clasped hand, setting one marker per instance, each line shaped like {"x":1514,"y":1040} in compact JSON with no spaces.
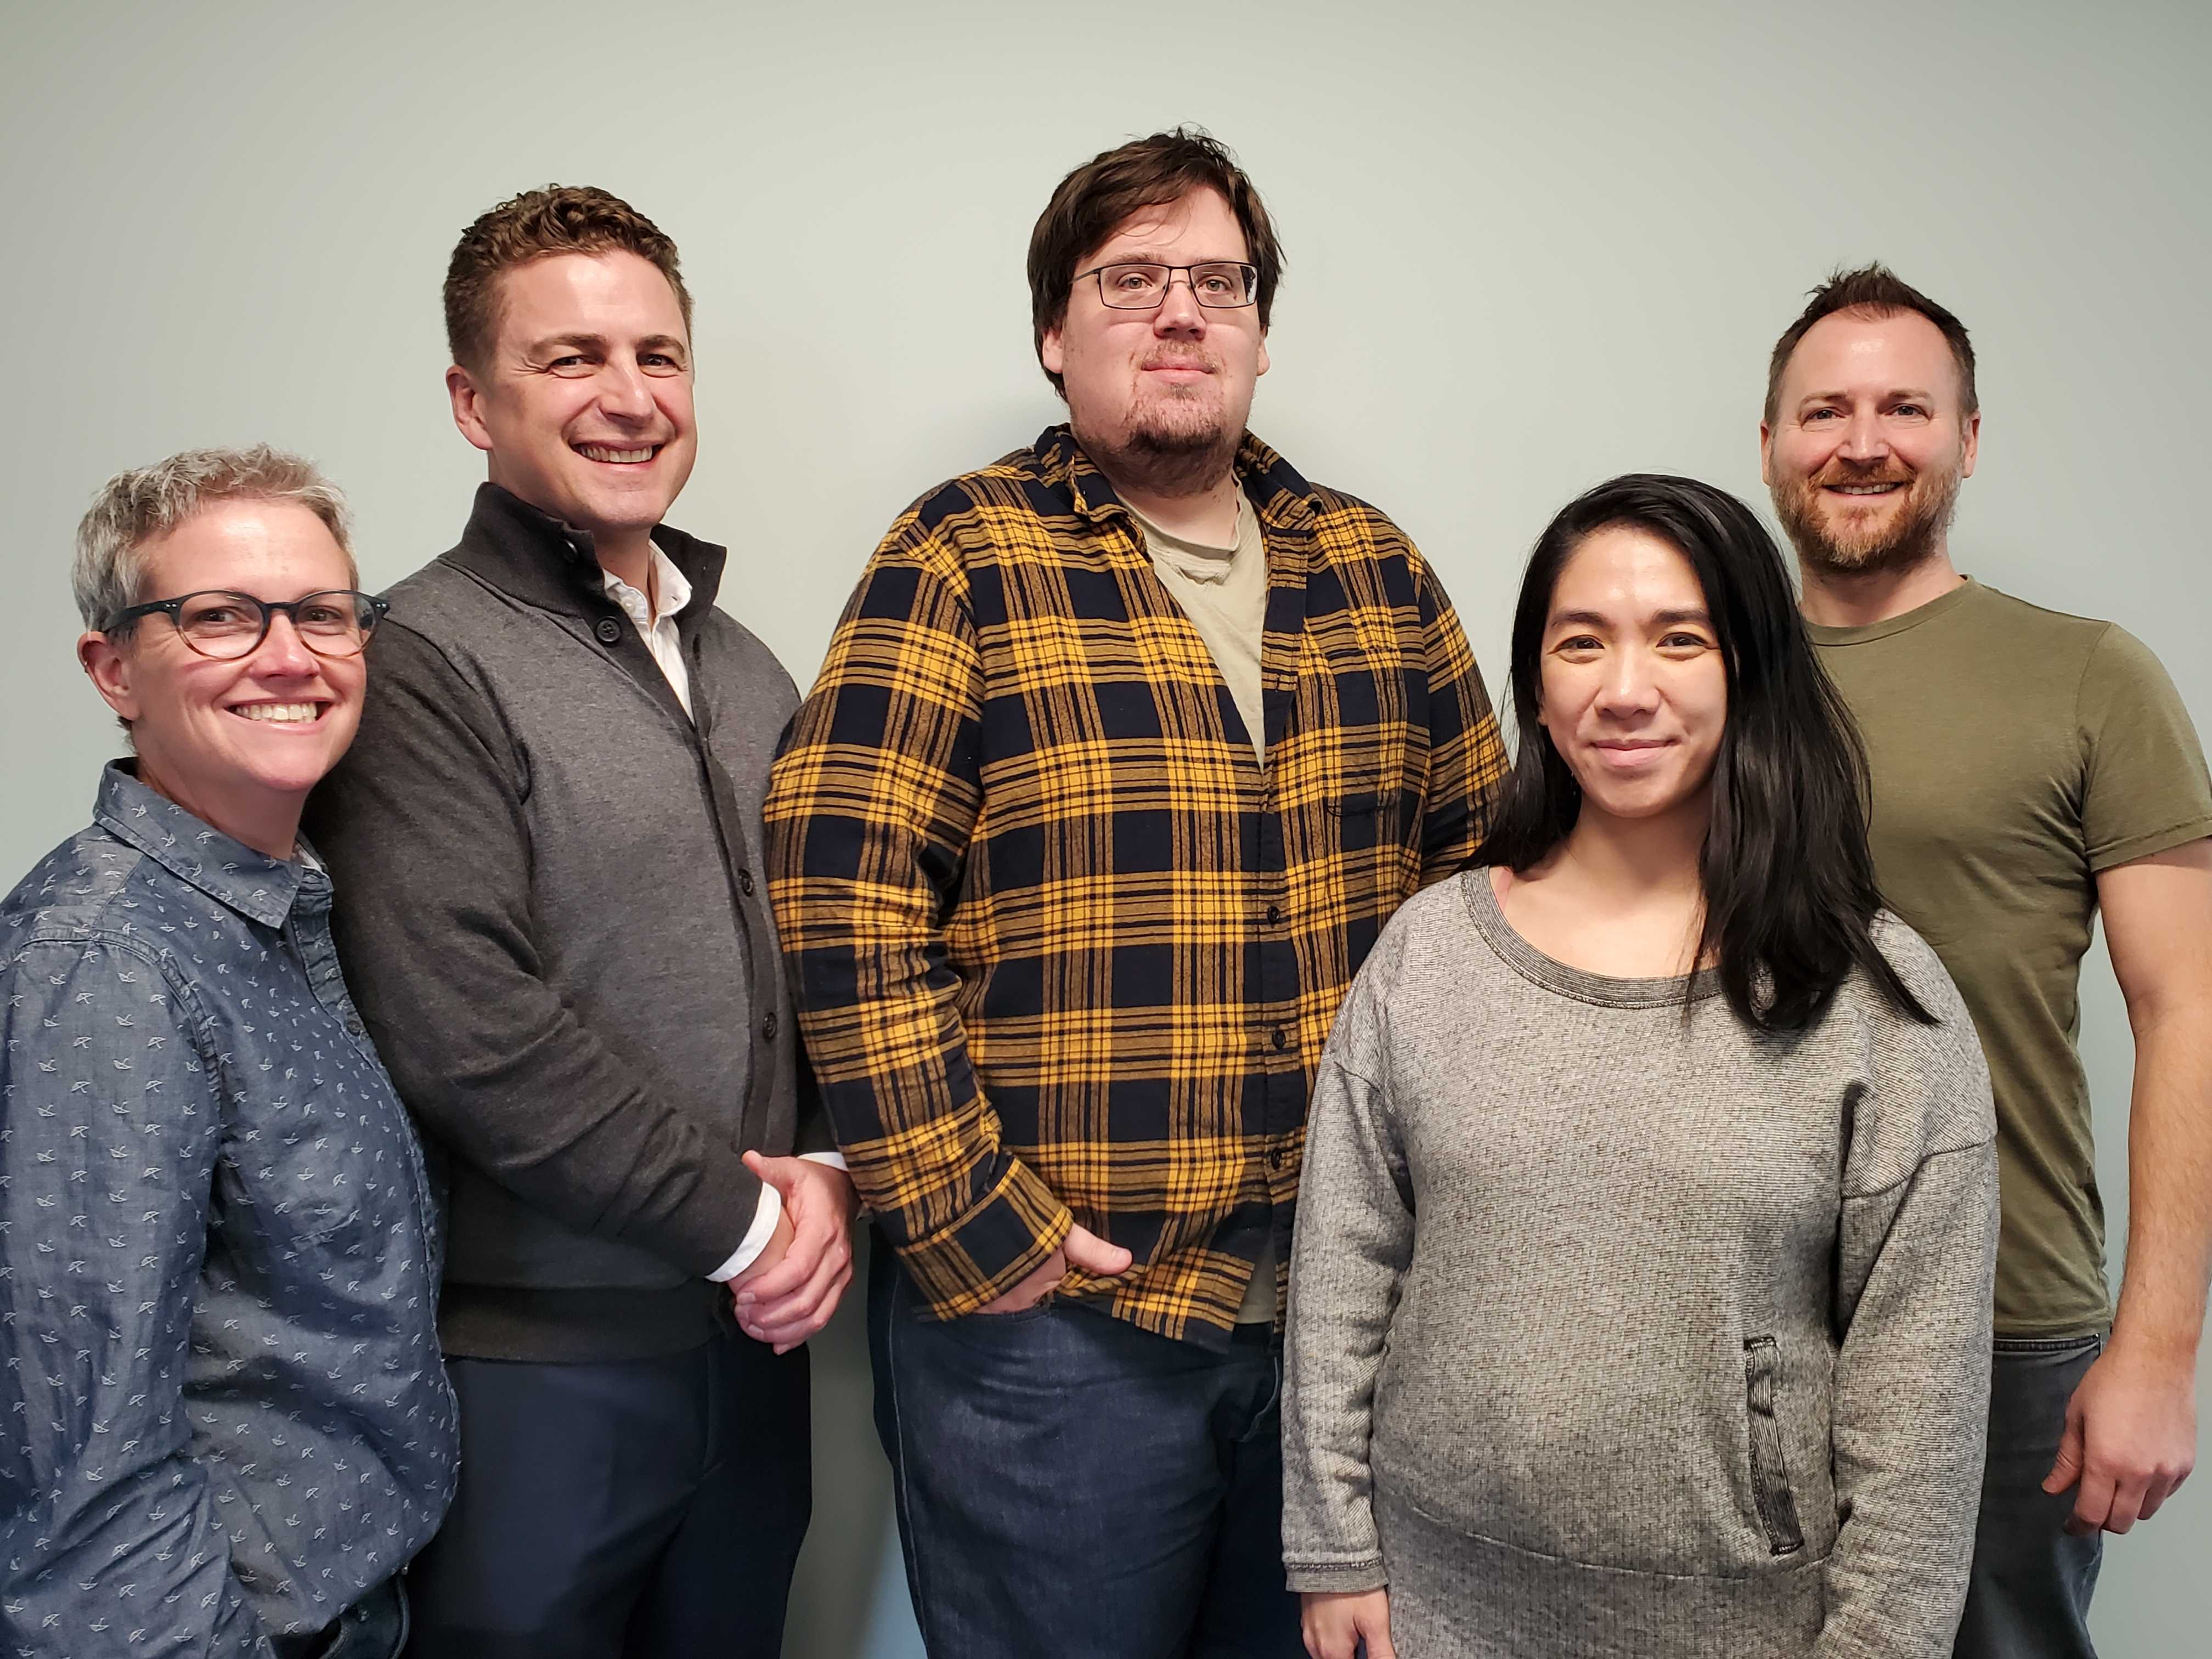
{"x":790,"y":1292}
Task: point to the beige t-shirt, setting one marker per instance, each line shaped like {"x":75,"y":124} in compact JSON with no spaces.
{"x":2017,"y":752}
{"x":1224,"y":592}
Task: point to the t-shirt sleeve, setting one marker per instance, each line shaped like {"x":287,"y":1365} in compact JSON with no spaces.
{"x":2146,"y":788}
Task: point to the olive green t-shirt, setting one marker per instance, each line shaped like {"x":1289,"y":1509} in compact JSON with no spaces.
{"x":2016,"y":752}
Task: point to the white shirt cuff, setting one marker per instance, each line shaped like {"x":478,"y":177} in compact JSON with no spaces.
{"x":764,"y":1220}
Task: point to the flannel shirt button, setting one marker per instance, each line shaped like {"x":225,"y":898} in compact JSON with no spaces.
{"x":1275,"y":1157}
{"x":1274,"y":914}
{"x":745,"y":883}
{"x":1281,"y":1038}
{"x":609,"y":630}
{"x":768,"y":1029}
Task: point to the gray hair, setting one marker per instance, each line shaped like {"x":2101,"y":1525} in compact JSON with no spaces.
{"x":148,"y":502}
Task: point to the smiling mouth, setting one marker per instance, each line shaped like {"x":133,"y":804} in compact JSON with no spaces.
{"x":280,"y":713}
{"x":1864,"y":491}
{"x":608,"y":455}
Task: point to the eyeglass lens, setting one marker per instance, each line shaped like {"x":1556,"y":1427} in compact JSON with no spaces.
{"x":334,"y":624}
{"x":1140,"y":287}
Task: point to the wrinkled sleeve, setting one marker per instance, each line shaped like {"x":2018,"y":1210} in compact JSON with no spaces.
{"x":1916,"y":1263}
{"x":109,"y":1540}
{"x":2145,"y":787}
{"x":422,"y":825}
{"x":870,"y":810}
{"x":1353,"y":1243}
{"x":1466,"y":761}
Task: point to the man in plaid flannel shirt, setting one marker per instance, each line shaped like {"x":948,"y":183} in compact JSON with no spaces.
{"x":1125,"y":751}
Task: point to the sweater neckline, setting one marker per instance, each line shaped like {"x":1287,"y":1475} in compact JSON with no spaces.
{"x":1552,"y":975}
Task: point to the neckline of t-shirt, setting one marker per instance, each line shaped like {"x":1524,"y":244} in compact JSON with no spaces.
{"x":1200,"y":561}
{"x":1904,"y":622}
{"x":1553,"y":975}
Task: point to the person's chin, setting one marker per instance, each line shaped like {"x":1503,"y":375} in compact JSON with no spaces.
{"x":1169,"y":431}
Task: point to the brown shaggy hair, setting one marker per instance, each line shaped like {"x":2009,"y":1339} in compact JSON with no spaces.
{"x":1145,"y":173}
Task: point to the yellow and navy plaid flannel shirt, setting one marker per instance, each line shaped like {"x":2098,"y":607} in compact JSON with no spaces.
{"x":1061,"y":949}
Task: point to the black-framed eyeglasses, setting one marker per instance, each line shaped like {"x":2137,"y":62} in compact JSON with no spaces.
{"x":1220,"y":284}
{"x":216,"y":623}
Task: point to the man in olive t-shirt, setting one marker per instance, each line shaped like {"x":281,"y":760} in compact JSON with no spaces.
{"x":2027,"y":768}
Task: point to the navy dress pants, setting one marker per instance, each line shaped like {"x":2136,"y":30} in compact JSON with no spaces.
{"x":1070,"y":1487}
{"x":2029,"y":1595}
{"x":646,"y":1509}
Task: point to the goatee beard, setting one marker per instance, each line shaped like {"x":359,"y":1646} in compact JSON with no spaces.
{"x":1915,"y":538}
{"x":1166,"y":457}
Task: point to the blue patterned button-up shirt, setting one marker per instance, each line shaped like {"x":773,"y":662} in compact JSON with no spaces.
{"x":223,"y":1412}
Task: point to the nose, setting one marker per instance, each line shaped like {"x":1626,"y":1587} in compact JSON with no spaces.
{"x":283,"y":654}
{"x":1630,"y":686}
{"x":623,"y":392}
{"x":1180,"y":312}
{"x":1863,"y":438}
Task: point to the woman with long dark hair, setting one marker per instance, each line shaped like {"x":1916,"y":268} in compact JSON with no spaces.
{"x":1640,"y":1299}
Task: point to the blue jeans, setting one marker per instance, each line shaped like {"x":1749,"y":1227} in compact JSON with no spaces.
{"x":1070,"y":1487}
{"x":2029,"y":1595}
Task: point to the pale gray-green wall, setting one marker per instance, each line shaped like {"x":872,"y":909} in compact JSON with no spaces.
{"x":1530,"y":247}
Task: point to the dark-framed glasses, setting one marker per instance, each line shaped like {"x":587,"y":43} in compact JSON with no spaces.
{"x":216,"y":623}
{"x":1220,"y":285}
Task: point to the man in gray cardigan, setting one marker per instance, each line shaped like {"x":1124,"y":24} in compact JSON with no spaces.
{"x":549,"y":836}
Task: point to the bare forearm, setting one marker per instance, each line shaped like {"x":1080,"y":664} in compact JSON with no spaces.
{"x":2169,"y":1259}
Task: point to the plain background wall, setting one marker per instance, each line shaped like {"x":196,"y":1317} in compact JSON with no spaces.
{"x":1529,"y":247}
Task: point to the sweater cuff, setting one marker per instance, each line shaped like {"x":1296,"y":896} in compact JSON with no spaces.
{"x":1336,"y":1577}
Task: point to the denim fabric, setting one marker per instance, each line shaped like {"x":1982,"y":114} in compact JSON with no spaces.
{"x":1069,"y":1487}
{"x":2029,"y":1595}
{"x":225,"y":1417}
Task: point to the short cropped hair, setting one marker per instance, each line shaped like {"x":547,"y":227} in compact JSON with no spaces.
{"x":145,"y":504}
{"x":558,"y":219}
{"x":1145,"y":173}
{"x":1873,"y":290}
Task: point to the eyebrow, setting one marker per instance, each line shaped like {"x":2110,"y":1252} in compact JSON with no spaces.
{"x":599,"y":343}
{"x":1921,"y":394}
{"x":1592,"y":619}
{"x":1150,"y":256}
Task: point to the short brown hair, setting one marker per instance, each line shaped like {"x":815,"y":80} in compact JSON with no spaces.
{"x":1874,"y":290}
{"x":558,"y":219}
{"x":1144,"y":173}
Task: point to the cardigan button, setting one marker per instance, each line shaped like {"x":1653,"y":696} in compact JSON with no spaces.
{"x":768,"y":1029}
{"x":745,"y":883}
{"x":609,"y":630}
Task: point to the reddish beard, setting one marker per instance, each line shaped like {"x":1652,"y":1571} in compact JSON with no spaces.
{"x":1911,"y":537}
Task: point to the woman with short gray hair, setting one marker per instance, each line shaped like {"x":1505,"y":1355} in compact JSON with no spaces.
{"x":229,"y":1425}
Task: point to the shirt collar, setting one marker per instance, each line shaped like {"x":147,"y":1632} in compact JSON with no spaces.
{"x":252,"y":884}
{"x":543,"y":561}
{"x":670,"y":584}
{"x":1283,"y":498}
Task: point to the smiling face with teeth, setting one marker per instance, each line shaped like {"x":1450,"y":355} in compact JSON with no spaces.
{"x":1869,"y":443}
{"x":583,"y":407}
{"x":237,"y":743}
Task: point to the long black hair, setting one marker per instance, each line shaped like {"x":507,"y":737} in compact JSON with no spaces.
{"x":1789,"y":883}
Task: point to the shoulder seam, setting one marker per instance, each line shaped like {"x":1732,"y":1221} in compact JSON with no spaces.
{"x":1927,"y":1158}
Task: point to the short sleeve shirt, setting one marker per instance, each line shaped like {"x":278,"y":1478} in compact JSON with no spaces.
{"x":2016,"y":753}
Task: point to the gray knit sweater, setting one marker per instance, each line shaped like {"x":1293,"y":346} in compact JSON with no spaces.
{"x":1616,"y":1333}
